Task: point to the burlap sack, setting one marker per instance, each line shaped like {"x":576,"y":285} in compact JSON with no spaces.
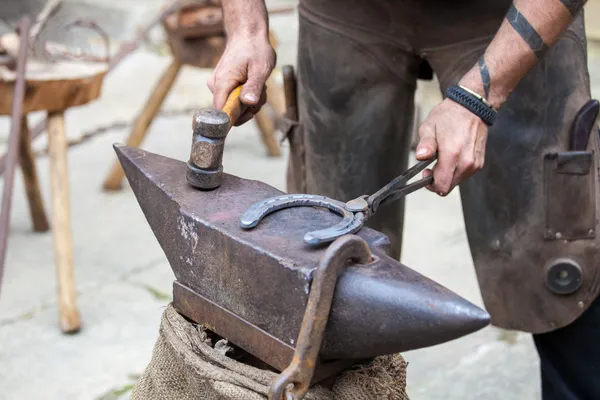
{"x":185,"y":365}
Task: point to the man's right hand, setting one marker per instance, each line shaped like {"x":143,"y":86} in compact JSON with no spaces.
{"x":248,"y":58}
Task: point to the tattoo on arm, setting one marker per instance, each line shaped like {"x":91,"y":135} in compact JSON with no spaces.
{"x":574,"y":6}
{"x":485,"y":76}
{"x":526,"y":31}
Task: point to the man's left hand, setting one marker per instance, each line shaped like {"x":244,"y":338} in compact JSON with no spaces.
{"x":459,"y":137}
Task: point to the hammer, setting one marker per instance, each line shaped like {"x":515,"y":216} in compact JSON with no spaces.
{"x":210,"y":128}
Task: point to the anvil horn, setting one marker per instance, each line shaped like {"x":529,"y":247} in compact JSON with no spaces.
{"x":261,"y":277}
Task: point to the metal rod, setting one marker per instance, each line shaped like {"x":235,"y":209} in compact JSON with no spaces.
{"x":50,"y":8}
{"x":13,"y":140}
{"x":306,"y":355}
{"x":92,"y":25}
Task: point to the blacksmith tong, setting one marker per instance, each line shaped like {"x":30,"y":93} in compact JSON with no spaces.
{"x":354,"y":213}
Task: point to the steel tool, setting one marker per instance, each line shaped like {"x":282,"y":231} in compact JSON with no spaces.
{"x":354,"y":213}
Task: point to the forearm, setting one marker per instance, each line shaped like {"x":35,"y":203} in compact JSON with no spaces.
{"x":245,"y":18}
{"x":529,"y":29}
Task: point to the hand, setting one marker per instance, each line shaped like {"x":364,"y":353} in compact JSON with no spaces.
{"x":248,"y":61}
{"x":459,"y":138}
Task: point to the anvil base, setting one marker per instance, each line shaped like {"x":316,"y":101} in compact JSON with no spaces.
{"x":245,"y":335}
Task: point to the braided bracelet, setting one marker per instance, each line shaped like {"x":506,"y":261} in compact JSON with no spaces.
{"x":472,"y":102}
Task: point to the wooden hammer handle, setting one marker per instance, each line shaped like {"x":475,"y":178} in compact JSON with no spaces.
{"x":233,"y":106}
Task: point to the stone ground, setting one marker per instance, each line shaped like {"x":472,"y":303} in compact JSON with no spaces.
{"x":124,"y":280}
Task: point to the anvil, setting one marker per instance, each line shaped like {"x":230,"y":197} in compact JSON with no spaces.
{"x":254,"y":285}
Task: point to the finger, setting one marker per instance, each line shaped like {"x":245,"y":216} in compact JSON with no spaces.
{"x":223,"y":88}
{"x":263,"y":98}
{"x":427,"y":146}
{"x":480,"y":153}
{"x":212,"y":80}
{"x":443,"y":172}
{"x":245,"y":117}
{"x":211,"y":83}
{"x":465,"y":168}
{"x":252,"y":110}
{"x":426,"y":174}
{"x":262,"y":101}
{"x":255,"y":85}
{"x":471,"y":160}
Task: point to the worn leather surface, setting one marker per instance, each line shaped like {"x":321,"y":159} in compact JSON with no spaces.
{"x":358,"y":63}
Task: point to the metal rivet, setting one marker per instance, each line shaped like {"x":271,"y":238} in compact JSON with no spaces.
{"x":558,"y":235}
{"x":591,"y":232}
{"x":580,"y":304}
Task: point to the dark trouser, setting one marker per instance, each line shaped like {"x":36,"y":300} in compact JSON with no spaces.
{"x":358,"y":64}
{"x":570,"y":358}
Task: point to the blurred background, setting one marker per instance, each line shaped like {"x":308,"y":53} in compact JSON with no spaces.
{"x":123,"y":280}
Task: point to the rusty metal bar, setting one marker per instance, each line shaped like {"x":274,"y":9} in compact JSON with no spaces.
{"x":299,"y":373}
{"x":13,"y":140}
{"x":40,"y":22}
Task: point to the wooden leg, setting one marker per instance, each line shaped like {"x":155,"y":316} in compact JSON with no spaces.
{"x":61,"y":221}
{"x":275,"y":96}
{"x":32,"y":186}
{"x":266,"y":123}
{"x":266,"y":126}
{"x":115,"y":177}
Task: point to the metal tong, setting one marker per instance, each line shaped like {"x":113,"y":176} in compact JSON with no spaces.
{"x":354,"y":213}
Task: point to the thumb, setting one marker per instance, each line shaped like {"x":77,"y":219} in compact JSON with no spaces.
{"x":427,"y":146}
{"x":253,"y":88}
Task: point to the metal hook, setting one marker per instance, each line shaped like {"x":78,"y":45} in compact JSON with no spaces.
{"x":300,"y":372}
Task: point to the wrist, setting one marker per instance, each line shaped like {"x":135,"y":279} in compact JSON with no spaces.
{"x":248,"y":33}
{"x":244,"y":19}
{"x":473,"y":102}
{"x":472,"y":81}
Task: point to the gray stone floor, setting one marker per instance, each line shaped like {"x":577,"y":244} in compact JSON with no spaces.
{"x":124,"y":280}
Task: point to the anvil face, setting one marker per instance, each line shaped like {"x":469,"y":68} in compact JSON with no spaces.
{"x":263,"y":275}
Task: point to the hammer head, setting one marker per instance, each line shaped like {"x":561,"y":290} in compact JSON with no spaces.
{"x":204,"y":168}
